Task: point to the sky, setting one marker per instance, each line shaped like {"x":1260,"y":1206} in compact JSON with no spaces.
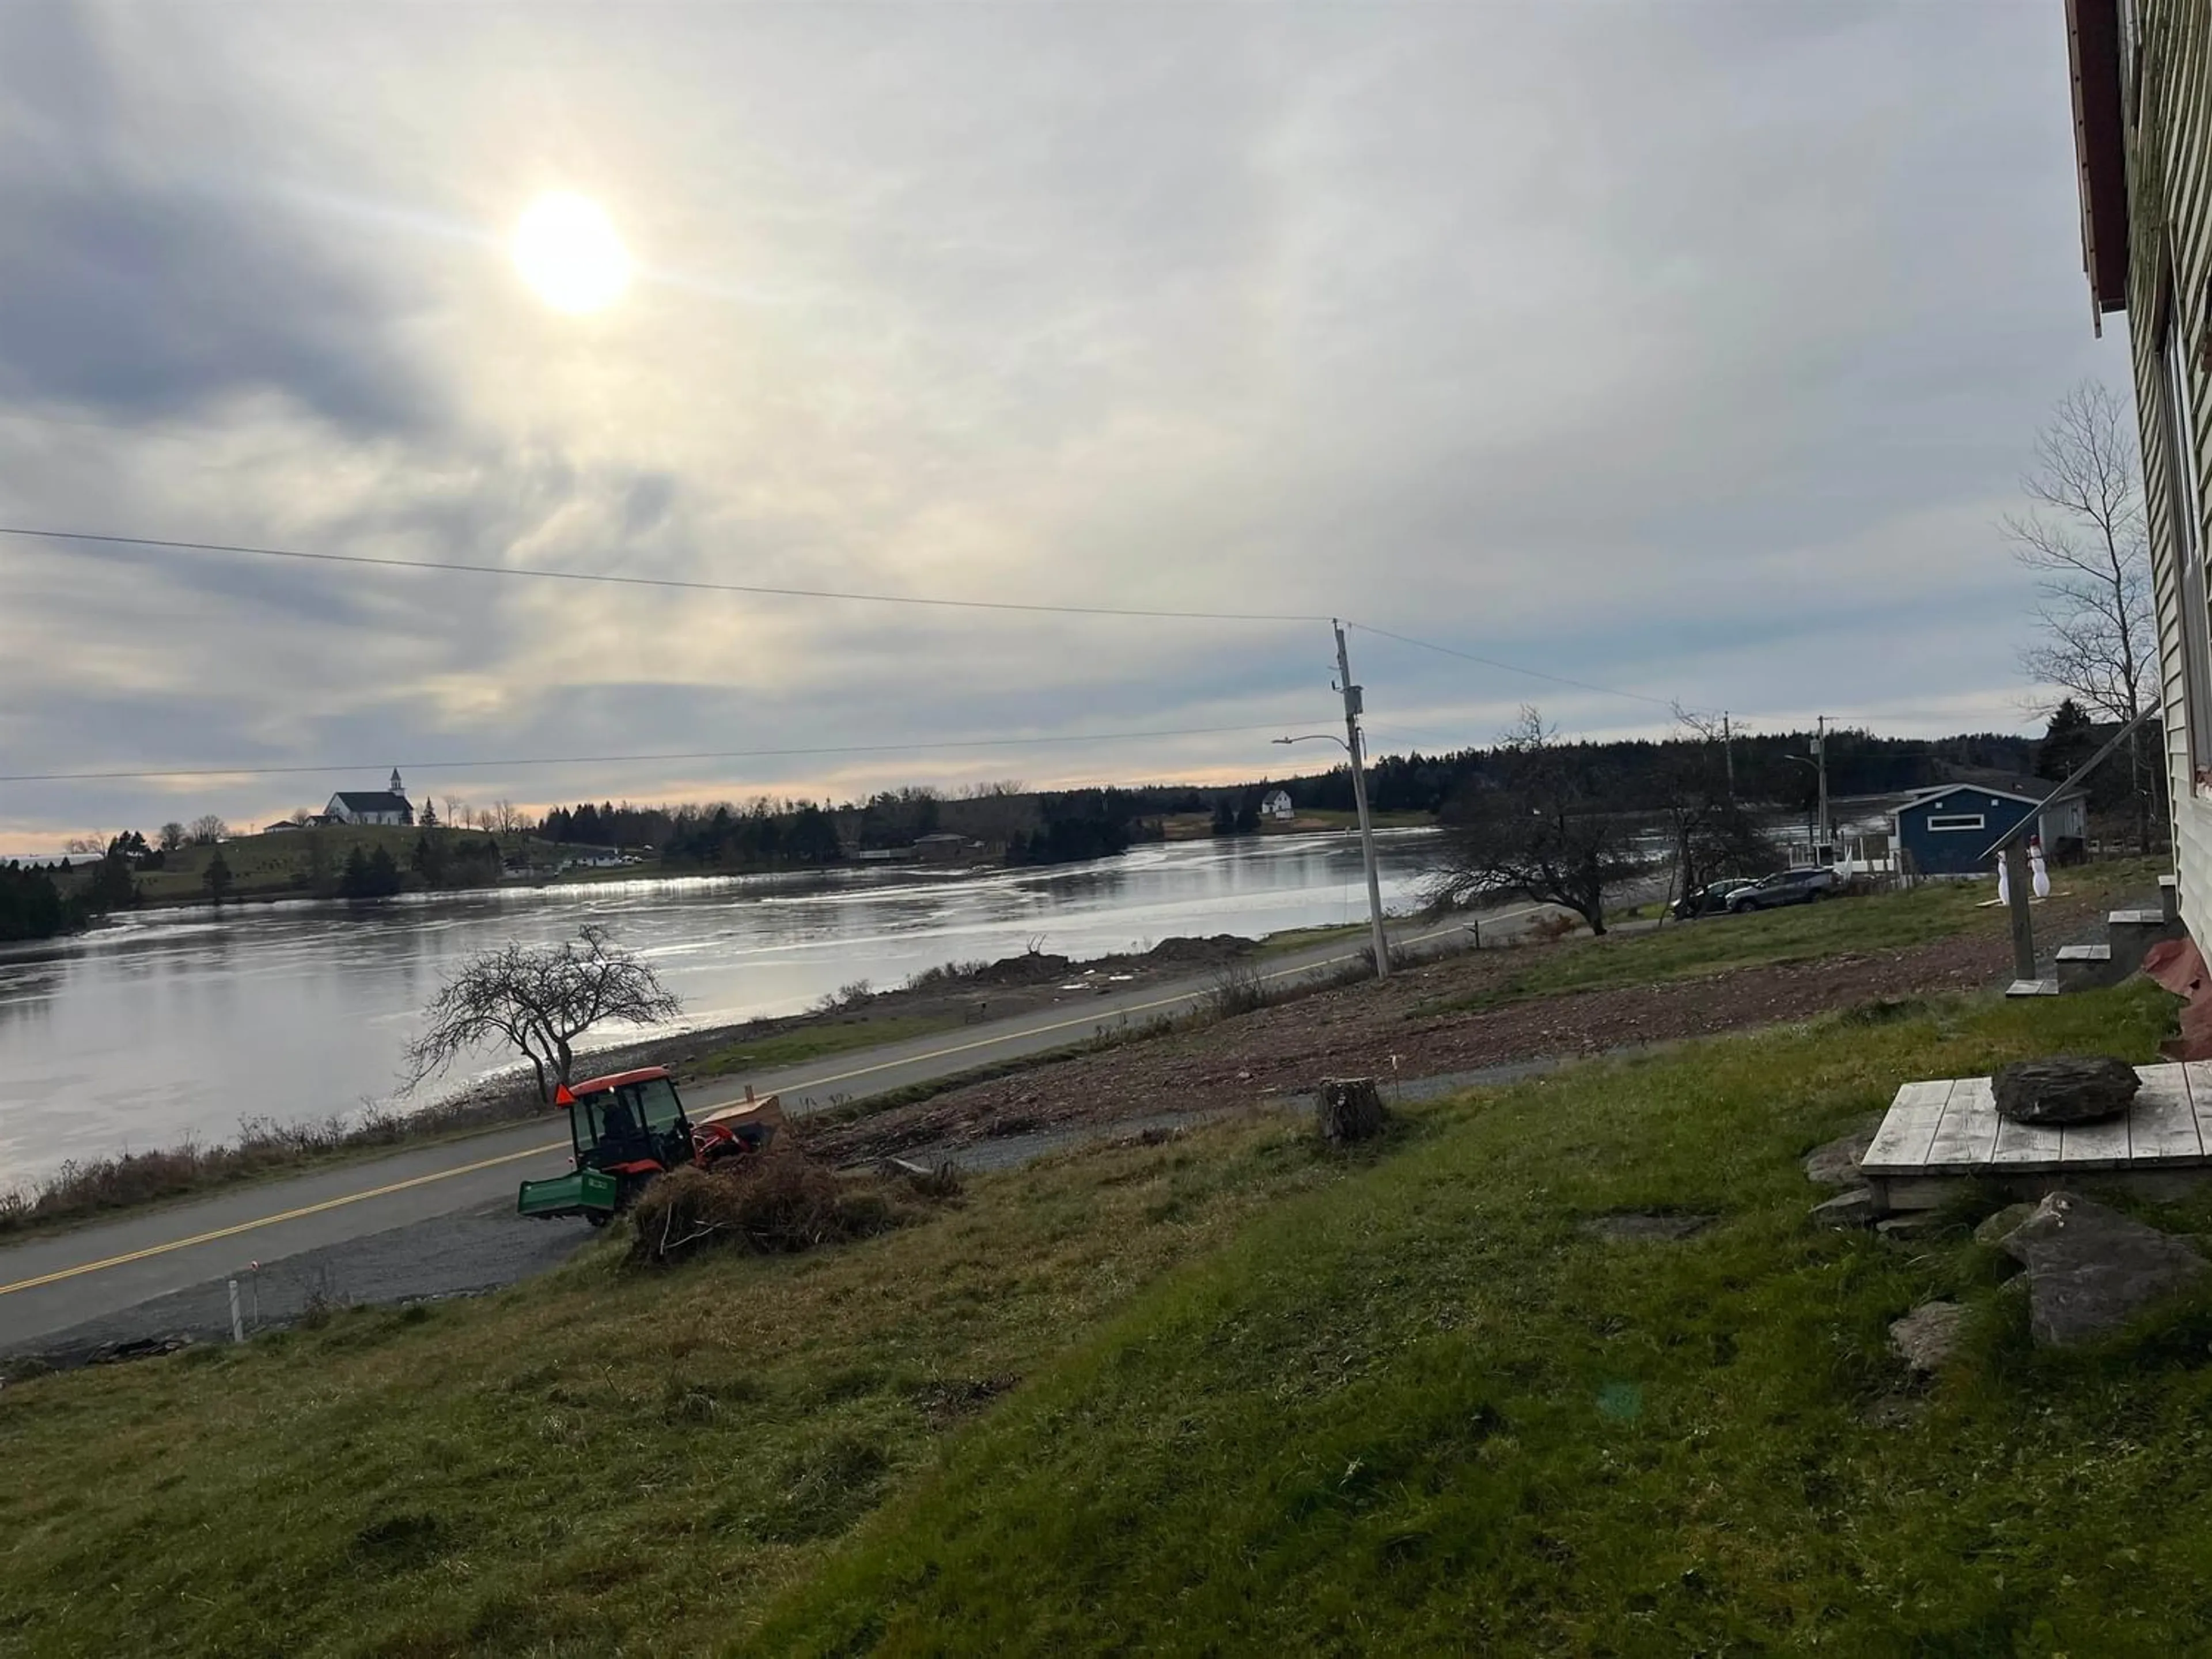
{"x":1681,"y":347}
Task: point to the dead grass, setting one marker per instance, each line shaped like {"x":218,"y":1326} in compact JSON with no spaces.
{"x":264,"y":1146}
{"x":779,"y":1204}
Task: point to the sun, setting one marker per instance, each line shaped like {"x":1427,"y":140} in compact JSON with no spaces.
{"x":566,"y":248}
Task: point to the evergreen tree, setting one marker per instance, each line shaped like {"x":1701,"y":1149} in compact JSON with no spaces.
{"x":216,"y":877}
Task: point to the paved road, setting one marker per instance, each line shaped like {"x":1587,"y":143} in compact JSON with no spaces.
{"x":72,"y":1279}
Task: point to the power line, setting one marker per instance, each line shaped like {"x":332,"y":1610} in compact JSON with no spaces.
{"x":756,"y":589}
{"x":617,"y":760}
{"x":1511,"y":668}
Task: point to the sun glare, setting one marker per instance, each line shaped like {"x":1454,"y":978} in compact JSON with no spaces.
{"x":566,"y":248}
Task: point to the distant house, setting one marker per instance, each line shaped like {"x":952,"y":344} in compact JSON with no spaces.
{"x":1948,"y":831}
{"x":943,"y":847}
{"x":371,"y":805}
{"x":281,"y":826}
{"x":1276,"y":804}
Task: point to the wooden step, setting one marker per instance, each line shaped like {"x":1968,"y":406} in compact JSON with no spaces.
{"x":2169,"y":897}
{"x":2085,"y":967}
{"x":2032,"y":987}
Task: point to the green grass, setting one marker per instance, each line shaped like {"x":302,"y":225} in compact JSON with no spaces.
{"x":1422,"y":1412}
{"x":1802,"y":932}
{"x":1291,"y":940}
{"x":1230,"y":1394}
{"x":292,"y":863}
{"x":813,"y":1042}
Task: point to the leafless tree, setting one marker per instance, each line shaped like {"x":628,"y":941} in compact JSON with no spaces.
{"x":173,"y":835}
{"x":95,"y":844}
{"x":538,"y":999}
{"x":1712,"y":834}
{"x":504,"y":817}
{"x":1540,"y":823}
{"x":207,"y":829}
{"x":2083,"y":537}
{"x":302,"y":815}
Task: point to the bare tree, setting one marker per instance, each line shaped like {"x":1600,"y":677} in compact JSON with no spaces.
{"x":1711,"y":834}
{"x":1540,"y":825}
{"x":504,"y":817}
{"x":207,"y":829}
{"x":95,"y":844}
{"x":2083,"y":536}
{"x":538,"y":999}
{"x":173,"y":835}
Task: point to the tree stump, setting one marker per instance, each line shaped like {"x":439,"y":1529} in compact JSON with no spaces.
{"x":1349,"y":1108}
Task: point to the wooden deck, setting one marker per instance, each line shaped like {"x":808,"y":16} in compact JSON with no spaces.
{"x":1937,"y":1132}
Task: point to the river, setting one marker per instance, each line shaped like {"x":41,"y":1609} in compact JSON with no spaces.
{"x":166,"y":1025}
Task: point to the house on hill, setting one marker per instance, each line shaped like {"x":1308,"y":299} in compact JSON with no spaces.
{"x":1276,"y":804}
{"x":371,"y":805}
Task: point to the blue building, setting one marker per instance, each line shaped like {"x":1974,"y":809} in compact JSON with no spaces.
{"x":1948,"y":831}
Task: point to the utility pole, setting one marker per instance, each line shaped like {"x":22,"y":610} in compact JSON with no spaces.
{"x":1822,"y":853}
{"x":1351,"y":713}
{"x":1728,"y":752}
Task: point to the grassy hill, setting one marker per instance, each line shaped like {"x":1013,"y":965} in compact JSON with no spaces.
{"x":1226,"y":1394}
{"x":301,"y":863}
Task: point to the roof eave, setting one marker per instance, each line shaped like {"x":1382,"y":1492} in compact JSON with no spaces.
{"x":2093,"y":49}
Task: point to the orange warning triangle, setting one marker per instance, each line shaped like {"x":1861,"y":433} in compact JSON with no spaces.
{"x":561,"y":1096}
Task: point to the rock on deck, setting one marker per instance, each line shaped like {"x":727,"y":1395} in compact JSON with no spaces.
{"x":1936,"y":1133}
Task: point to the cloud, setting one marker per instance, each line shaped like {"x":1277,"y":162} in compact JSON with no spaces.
{"x":143,"y":289}
{"x":1693,"y":350}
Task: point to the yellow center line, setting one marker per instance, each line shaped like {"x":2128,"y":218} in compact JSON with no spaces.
{"x":234,"y":1230}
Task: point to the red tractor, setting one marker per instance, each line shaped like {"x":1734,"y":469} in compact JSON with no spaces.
{"x":630,"y":1127}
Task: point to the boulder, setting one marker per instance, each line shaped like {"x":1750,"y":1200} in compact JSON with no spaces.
{"x":2090,"y":1269}
{"x":2064,"y":1088}
{"x":1835,"y":1164}
{"x":1850,"y":1209}
{"x":1928,"y":1335}
{"x":1912,"y":1224}
{"x":1994,"y":1230}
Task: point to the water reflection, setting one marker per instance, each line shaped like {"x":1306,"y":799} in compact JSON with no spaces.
{"x":176,"y":1022}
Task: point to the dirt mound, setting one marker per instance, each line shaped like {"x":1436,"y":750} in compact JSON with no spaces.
{"x":1208,"y":952}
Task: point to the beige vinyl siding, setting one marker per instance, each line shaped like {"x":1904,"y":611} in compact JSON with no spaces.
{"x":2170,"y":203}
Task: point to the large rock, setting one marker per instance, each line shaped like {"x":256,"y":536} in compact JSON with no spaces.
{"x":2065,"y":1089}
{"x":1928,"y":1335}
{"x":1835,"y":1164}
{"x":2090,"y":1269}
{"x":1854,"y":1207}
{"x":1994,"y":1230}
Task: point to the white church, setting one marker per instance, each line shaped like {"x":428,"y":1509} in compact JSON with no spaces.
{"x":371,"y":805}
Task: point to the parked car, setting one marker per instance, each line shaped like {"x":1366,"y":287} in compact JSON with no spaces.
{"x":1801,"y":886}
{"x":1711,"y":899}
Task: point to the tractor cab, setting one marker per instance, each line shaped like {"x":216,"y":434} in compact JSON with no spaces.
{"x":630,"y":1123}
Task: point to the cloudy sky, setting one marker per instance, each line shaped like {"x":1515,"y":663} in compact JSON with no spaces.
{"x":1685,"y":348}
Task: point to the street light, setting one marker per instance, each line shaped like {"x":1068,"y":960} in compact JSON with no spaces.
{"x":1366,"y":846}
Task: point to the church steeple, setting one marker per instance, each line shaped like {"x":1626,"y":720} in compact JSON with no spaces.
{"x":396,"y":788}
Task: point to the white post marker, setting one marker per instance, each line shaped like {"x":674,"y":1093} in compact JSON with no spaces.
{"x":237,"y":1320}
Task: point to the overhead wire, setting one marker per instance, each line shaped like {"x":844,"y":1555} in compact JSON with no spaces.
{"x":757,"y":590}
{"x":679,"y":584}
